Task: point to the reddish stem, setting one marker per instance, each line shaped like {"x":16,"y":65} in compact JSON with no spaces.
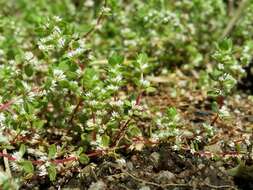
{"x":6,"y":105}
{"x":120,"y":132}
{"x":138,"y":99}
{"x":7,"y":156}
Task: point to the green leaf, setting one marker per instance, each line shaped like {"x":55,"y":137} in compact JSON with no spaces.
{"x":90,"y":78}
{"x":214,"y":93}
{"x":52,"y":151}
{"x":84,"y":159}
{"x":28,"y":107}
{"x":3,"y":139}
{"x":242,"y":171}
{"x":115,"y":59}
{"x":22,"y":150}
{"x":52,"y":172}
{"x":150,"y":89}
{"x":64,"y":66}
{"x":27,"y":166}
{"x":215,"y":106}
{"x":39,"y":123}
{"x":79,"y":151}
{"x":29,"y":70}
{"x":134,"y":130}
{"x":142,"y":58}
{"x":171,"y":112}
{"x":105,"y":140}
{"x":225,"y":45}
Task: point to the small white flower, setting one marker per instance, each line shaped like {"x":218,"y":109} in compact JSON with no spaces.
{"x":32,"y":95}
{"x":17,"y":156}
{"x":89,"y":3}
{"x":53,"y":85}
{"x":42,"y":170}
{"x":28,"y":56}
{"x":115,"y":114}
{"x":121,"y":161}
{"x":220,"y":66}
{"x":15,"y":166}
{"x":126,"y":31}
{"x":61,"y":42}
{"x":42,"y":47}
{"x":175,"y":147}
{"x":12,"y":62}
{"x":93,"y":103}
{"x":88,"y":94}
{"x":90,"y":123}
{"x":2,"y":118}
{"x":106,"y":9}
{"x":57,"y":18}
{"x":57,"y":30}
{"x":192,"y":151}
{"x":117,"y":103}
{"x":145,"y":83}
{"x":231,"y":144}
{"x":75,"y":52}
{"x":198,"y":138}
{"x":224,"y":111}
{"x":112,"y":87}
{"x":117,"y":79}
{"x":59,"y":74}
{"x":144,"y":66}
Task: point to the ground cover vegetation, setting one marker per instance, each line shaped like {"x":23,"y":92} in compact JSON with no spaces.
{"x":90,"y":90}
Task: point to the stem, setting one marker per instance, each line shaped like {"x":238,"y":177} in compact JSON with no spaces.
{"x":120,"y":132}
{"x":99,"y":21}
{"x":138,"y":99}
{"x":93,"y":117}
{"x":234,"y":19}
{"x":6,"y":163}
{"x":75,"y":110}
{"x":6,"y":105}
{"x":230,"y":7}
{"x":94,"y":133}
{"x":215,"y":119}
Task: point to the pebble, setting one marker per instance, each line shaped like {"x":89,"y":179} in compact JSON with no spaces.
{"x":164,"y":176}
{"x":99,"y":185}
{"x":130,"y":165}
{"x":155,"y":157}
{"x":145,"y":188}
{"x":201,"y":166}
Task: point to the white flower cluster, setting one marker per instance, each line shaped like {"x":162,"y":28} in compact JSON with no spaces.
{"x":59,"y":75}
{"x":2,"y":118}
{"x":224,"y":112}
{"x":89,"y":3}
{"x":75,"y":52}
{"x":55,"y":40}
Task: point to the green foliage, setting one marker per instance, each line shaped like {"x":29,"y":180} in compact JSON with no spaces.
{"x":84,"y":159}
{"x":226,"y":70}
{"x":52,"y":172}
{"x":73,"y":74}
{"x":167,"y":124}
{"x":27,"y":166}
{"x":52,"y":151}
{"x":7,"y":182}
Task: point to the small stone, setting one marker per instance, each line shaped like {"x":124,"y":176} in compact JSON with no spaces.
{"x":164,"y":176}
{"x":134,"y":158}
{"x":130,"y":165}
{"x":201,"y":166}
{"x":145,"y":188}
{"x":99,"y":185}
{"x":155,"y":157}
{"x":187,"y":134}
